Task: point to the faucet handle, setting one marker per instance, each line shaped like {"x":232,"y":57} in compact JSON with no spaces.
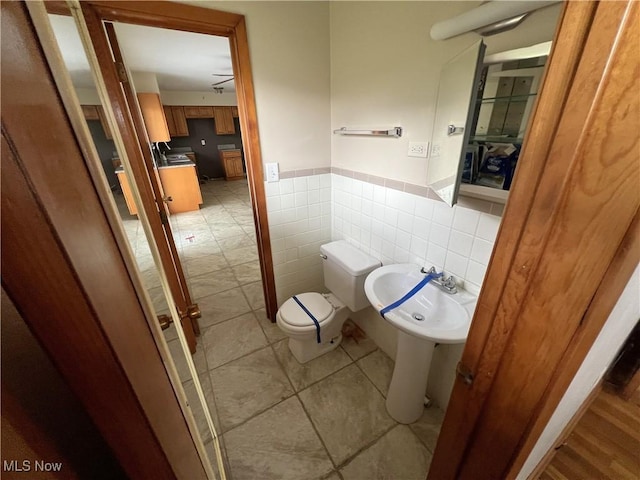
{"x":428,"y":272}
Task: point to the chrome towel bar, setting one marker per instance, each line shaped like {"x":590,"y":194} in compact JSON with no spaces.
{"x":392,"y":132}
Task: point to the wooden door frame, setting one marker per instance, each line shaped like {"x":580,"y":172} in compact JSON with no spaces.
{"x":163,"y":14}
{"x":65,"y":273}
{"x":491,"y":426}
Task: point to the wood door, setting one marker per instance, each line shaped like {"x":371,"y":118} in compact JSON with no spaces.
{"x":564,"y":246}
{"x":136,"y":144}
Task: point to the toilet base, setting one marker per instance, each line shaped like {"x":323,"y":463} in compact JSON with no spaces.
{"x":306,"y":350}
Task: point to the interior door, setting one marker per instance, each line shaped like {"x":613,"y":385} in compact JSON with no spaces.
{"x":136,"y":143}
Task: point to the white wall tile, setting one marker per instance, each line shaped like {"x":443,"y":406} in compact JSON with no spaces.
{"x":367,"y":190}
{"x":379,"y":194}
{"x":456,"y":265}
{"x":475,"y":272}
{"x":405,"y":221}
{"x":421,"y":228}
{"x":403,"y":239}
{"x":418,"y":247}
{"x":465,"y":220}
{"x":287,"y":201}
{"x":273,"y":203}
{"x":286,"y":186}
{"x":313,"y":182}
{"x":436,"y":256}
{"x":325,"y":180}
{"x":271,"y":189}
{"x":460,"y":243}
{"x":300,"y":184}
{"x":424,"y":208}
{"x":481,"y":251}
{"x":439,"y":235}
{"x":443,"y":214}
{"x":301,"y":198}
{"x":391,"y":216}
{"x":488,"y":226}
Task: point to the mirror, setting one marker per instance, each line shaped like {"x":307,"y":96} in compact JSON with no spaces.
{"x":476,"y":144}
{"x":456,"y":99}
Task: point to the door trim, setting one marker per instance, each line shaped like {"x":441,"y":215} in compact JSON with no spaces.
{"x":550,"y":261}
{"x":189,"y":18}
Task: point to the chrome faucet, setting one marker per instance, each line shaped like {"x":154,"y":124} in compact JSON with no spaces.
{"x":446,"y":284}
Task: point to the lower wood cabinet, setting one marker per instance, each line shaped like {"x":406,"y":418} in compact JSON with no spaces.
{"x":232,"y":161}
{"x":180,"y":184}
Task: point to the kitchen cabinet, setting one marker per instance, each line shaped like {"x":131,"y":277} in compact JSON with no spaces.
{"x":234,"y":111}
{"x":232,"y":162}
{"x":176,"y":121}
{"x":96,"y":112}
{"x":154,"y":118}
{"x":126,"y":192}
{"x":198,"y":112}
{"x":224,"y":121}
{"x":180,"y":184}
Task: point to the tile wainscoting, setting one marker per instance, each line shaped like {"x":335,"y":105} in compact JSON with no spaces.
{"x":394,"y":221}
{"x":299,"y":210}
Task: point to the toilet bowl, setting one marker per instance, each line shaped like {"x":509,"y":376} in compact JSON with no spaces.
{"x":313,"y":321}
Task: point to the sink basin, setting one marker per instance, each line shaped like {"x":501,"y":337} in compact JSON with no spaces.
{"x":430,"y":314}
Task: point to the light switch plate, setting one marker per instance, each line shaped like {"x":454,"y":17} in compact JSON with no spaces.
{"x":272,"y":172}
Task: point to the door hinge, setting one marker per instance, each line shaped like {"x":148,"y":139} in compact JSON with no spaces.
{"x":465,"y":373}
{"x":122,"y":72}
{"x":163,"y":217}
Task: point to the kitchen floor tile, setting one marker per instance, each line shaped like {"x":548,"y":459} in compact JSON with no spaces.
{"x":242,"y":255}
{"x":248,"y":386}
{"x":205,"y":264}
{"x":347,"y":411}
{"x":247,"y":272}
{"x":279,"y":444}
{"x":397,"y":455}
{"x":232,"y":339}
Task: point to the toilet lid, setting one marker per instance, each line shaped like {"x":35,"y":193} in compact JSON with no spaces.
{"x":295,"y":316}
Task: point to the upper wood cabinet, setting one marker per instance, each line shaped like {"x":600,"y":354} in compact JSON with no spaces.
{"x":96,"y":112}
{"x":176,"y":121}
{"x":234,"y":110}
{"x":224,"y":121}
{"x":198,"y":112}
{"x":154,"y":119}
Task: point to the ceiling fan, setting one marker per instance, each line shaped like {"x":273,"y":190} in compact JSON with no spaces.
{"x":222,"y":81}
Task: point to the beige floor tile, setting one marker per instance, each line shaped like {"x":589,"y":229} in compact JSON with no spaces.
{"x":232,"y":339}
{"x":247,"y":272}
{"x":427,"y":428}
{"x":248,"y":386}
{"x":205,"y":264}
{"x":242,"y":255}
{"x":358,"y":349}
{"x":222,"y":306}
{"x":198,"y":250}
{"x":196,"y":406}
{"x":347,"y":411}
{"x":181,"y":363}
{"x":397,"y":455}
{"x":271,"y":329}
{"x":226,"y":232}
{"x":379,"y":368}
{"x":303,"y":375}
{"x":211,"y":283}
{"x":279,"y":444}
{"x":158,"y":300}
{"x":254,"y":294}
{"x":239,"y":241}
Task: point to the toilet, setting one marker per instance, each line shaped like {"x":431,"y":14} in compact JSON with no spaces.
{"x":345,"y":269}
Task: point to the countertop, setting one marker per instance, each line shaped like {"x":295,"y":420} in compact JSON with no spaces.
{"x":163,"y":167}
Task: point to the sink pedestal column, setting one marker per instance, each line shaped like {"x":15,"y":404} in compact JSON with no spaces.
{"x":405,"y":400}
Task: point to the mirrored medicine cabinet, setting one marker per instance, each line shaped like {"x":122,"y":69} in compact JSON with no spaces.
{"x":482,"y":112}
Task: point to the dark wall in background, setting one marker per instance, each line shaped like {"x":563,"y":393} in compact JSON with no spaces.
{"x":209,"y":162}
{"x":105,"y":150}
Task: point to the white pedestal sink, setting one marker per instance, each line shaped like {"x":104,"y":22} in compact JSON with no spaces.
{"x":431,"y":316}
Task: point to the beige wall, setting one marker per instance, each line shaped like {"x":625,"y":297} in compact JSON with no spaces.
{"x":289,"y":48}
{"x":385,"y":70}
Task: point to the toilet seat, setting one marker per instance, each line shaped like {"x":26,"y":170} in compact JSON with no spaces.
{"x":294,"y":316}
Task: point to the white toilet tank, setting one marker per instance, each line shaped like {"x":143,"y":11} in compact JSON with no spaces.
{"x":345,"y":269}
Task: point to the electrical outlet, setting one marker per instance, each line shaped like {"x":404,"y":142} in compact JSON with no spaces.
{"x":272,"y":172}
{"x":203,"y":142}
{"x":435,"y":149}
{"x":418,"y":149}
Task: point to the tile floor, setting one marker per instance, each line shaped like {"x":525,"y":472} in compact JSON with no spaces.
{"x":278,"y":419}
